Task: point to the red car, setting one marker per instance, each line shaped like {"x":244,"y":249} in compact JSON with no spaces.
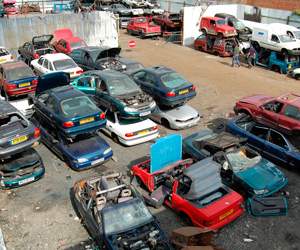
{"x":143,"y":27}
{"x":216,"y":26}
{"x":65,"y":42}
{"x":194,"y":191}
{"x":169,"y":21}
{"x":282,"y":113}
{"x":212,"y":44}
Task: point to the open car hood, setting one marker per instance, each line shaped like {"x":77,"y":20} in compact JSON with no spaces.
{"x":52,"y":80}
{"x":62,"y":34}
{"x":109,"y":52}
{"x":39,"y":40}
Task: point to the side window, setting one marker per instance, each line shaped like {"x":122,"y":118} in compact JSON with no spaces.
{"x":275,"y":39}
{"x":102,"y":86}
{"x":149,"y":78}
{"x":51,"y":104}
{"x":260,"y":132}
{"x":212,"y":22}
{"x":230,"y":22}
{"x":277,"y":139}
{"x":50,"y":66}
{"x":110,"y":116}
{"x":45,"y":64}
{"x":40,"y":61}
{"x":273,"y":106}
{"x":292,"y":111}
{"x":139,"y":75}
{"x":86,"y":82}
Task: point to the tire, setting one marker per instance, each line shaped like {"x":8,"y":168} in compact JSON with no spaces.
{"x":165,"y":123}
{"x":276,"y":68}
{"x":297,"y":77}
{"x":204,"y":32}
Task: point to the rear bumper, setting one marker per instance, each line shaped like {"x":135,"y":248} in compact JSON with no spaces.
{"x":151,"y":34}
{"x":139,"y":140}
{"x":173,"y":101}
{"x":84,"y":128}
{"x":22,"y":91}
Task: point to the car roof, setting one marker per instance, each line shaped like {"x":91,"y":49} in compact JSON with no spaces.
{"x":158,"y":70}
{"x":65,"y":92}
{"x":290,"y":98}
{"x":56,"y":56}
{"x":6,"y":107}
{"x":13,"y":64}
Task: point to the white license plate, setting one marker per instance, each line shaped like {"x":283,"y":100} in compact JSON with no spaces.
{"x":22,"y":182}
{"x":145,"y":113}
{"x":97,"y":161}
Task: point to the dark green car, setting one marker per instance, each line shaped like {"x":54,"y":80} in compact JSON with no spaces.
{"x":113,"y":89}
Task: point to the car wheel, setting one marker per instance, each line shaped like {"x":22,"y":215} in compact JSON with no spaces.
{"x":204,"y":32}
{"x":165,"y":123}
{"x":297,"y":77}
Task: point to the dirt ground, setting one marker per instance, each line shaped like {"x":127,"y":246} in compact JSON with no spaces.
{"x":40,"y":215}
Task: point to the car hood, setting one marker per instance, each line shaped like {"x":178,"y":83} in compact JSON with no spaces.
{"x":62,"y":34}
{"x":184,"y":112}
{"x":264,"y":175}
{"x":110,"y":52}
{"x":226,"y":27}
{"x":87,"y":148}
{"x":39,"y":40}
{"x":52,"y":80}
{"x":256,"y":99}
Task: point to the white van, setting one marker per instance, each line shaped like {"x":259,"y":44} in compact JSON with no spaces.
{"x":292,"y":31}
{"x":269,"y":37}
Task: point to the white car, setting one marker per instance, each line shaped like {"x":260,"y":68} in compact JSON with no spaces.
{"x":5,"y":56}
{"x":130,"y":132}
{"x":290,"y":30}
{"x":56,"y":62}
{"x":296,"y":73}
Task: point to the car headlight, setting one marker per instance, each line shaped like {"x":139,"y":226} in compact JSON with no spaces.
{"x":127,"y":109}
{"x":82,"y":160}
{"x":152,"y":104}
{"x":263,"y":191}
{"x":106,"y":151}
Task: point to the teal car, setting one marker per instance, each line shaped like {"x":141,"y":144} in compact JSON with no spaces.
{"x":115,"y":90}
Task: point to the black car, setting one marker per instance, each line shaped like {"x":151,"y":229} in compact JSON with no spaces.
{"x":167,"y":87}
{"x":40,"y":45}
{"x":16,"y":132}
{"x":99,"y":58}
{"x":115,"y":214}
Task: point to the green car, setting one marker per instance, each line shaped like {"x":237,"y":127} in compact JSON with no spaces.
{"x":115,"y":90}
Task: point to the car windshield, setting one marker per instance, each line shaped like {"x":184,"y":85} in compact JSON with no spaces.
{"x":122,"y":86}
{"x":286,"y":39}
{"x":19,"y":73}
{"x":3,"y":52}
{"x":125,"y":216}
{"x":173,"y":80}
{"x":221,"y":22}
{"x":297,"y":34}
{"x":78,"y":106}
{"x":79,"y":44}
{"x":64,"y":64}
{"x":239,"y":160}
{"x":238,"y":24}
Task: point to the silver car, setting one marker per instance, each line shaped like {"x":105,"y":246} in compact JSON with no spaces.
{"x":176,"y":118}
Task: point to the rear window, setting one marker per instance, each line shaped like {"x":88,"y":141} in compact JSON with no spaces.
{"x":173,"y":80}
{"x":78,"y":106}
{"x":221,"y":22}
{"x":3,"y":52}
{"x":19,"y":73}
{"x":292,"y":111}
{"x":64,"y":64}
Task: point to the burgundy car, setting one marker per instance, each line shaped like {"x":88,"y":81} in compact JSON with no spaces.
{"x":281,"y":113}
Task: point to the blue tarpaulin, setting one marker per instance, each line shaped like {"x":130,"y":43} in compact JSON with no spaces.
{"x":165,"y":151}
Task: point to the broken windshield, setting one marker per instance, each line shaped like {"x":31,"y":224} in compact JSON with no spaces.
{"x":240,"y":160}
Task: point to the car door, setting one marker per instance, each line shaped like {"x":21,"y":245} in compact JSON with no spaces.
{"x":1,"y":79}
{"x":289,"y":118}
{"x":274,"y":42}
{"x":86,"y":84}
{"x":276,"y":147}
{"x":145,"y":80}
{"x":102,"y":95}
{"x":270,"y":113}
{"x":257,"y":137}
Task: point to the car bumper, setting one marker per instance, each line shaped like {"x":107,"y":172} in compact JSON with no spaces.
{"x":23,"y":91}
{"x":90,"y":164}
{"x":84,"y":128}
{"x":139,"y":140}
{"x":275,"y":190}
{"x":177,"y":99}
{"x":16,"y":182}
{"x":139,"y":114}
{"x":18,"y":148}
{"x":148,"y":34}
{"x":183,"y":125}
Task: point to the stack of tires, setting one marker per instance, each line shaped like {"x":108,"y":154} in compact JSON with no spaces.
{"x":9,"y":7}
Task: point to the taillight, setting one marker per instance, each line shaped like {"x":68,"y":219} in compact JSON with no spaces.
{"x":37,"y":132}
{"x":193,"y":87}
{"x":34,"y":82}
{"x":68,"y":124}
{"x":36,"y":56}
{"x":10,"y":86}
{"x":102,"y":116}
{"x":154,"y":128}
{"x":129,"y":134}
{"x":79,"y":71}
{"x":170,"y":94}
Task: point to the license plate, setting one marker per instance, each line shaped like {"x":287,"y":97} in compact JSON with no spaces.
{"x":97,"y":161}
{"x":144,"y":132}
{"x":19,"y":140}
{"x":182,"y":92}
{"x":223,"y":216}
{"x":25,"y":84}
{"x":145,"y":113}
{"x":86,"y":120}
{"x":22,"y":182}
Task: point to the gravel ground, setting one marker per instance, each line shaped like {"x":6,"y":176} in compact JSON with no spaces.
{"x":40,"y":215}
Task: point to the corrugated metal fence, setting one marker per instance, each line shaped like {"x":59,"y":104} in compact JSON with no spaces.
{"x":96,"y":28}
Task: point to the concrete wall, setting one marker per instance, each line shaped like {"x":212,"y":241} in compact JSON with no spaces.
{"x":95,"y":28}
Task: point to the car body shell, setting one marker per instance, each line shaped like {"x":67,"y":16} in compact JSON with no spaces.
{"x":5,"y":55}
{"x":209,"y":25}
{"x":212,"y":216}
{"x":143,"y":27}
{"x":169,"y":21}
{"x":158,"y":90}
{"x":180,"y":117}
{"x":16,"y":87}
{"x":22,"y":169}
{"x":296,"y":73}
{"x":45,"y":64}
{"x":131,"y":65}
{"x":261,"y":109}
{"x":16,"y":132}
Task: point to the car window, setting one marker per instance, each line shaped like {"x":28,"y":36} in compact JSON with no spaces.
{"x":139,"y":75}
{"x":40,"y":61}
{"x":149,"y":78}
{"x":292,"y":111}
{"x":121,"y":86}
{"x":260,"y":132}
{"x":110,"y":116}
{"x":45,"y":64}
{"x":273,"y":106}
{"x":173,"y":80}
{"x":87,"y":60}
{"x":87,"y":82}
{"x":50,"y":66}
{"x":275,"y":39}
{"x":64,"y":64}
{"x":51,"y":103}
{"x":19,"y":73}
{"x":277,"y":139}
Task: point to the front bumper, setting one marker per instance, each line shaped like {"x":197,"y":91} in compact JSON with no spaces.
{"x":132,"y":142}
{"x":187,"y":124}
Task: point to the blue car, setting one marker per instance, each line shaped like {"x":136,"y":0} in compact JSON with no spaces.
{"x":166,"y":86}
{"x":273,"y":145}
{"x":66,"y":109}
{"x":241,"y":167}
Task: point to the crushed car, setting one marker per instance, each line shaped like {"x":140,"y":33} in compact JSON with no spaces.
{"x":115,"y":214}
{"x":143,"y":27}
{"x":16,"y":132}
{"x":195,"y":191}
{"x":113,"y":88}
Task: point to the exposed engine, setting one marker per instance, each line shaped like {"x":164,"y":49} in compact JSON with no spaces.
{"x":143,"y":238}
{"x":138,"y":100}
{"x":110,"y":63}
